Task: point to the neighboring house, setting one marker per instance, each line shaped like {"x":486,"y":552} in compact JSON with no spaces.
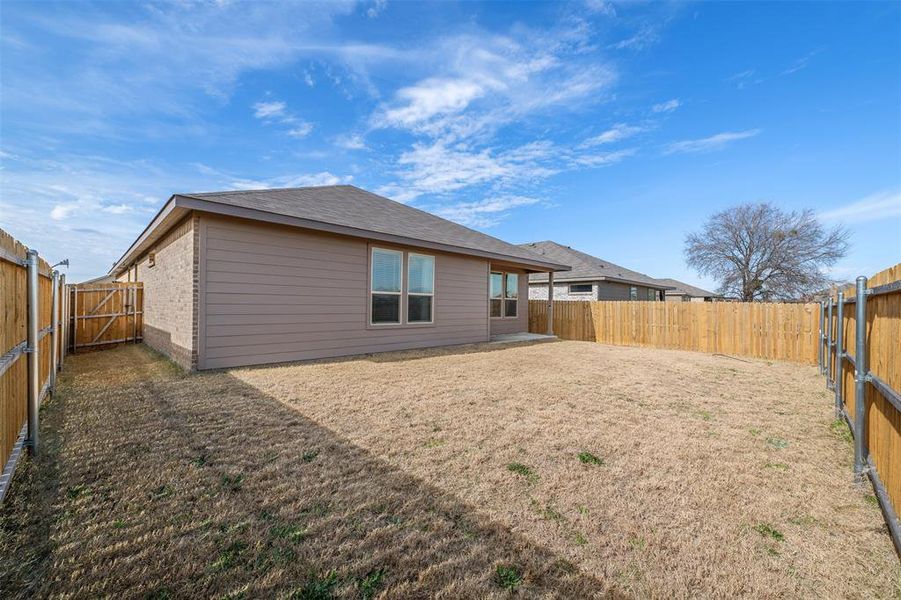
{"x":252,"y":277}
{"x":682,"y":292}
{"x":102,"y":279}
{"x":590,"y":278}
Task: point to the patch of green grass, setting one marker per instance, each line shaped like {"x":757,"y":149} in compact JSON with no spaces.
{"x":776,"y":442}
{"x":637,"y":542}
{"x":521,"y":469}
{"x":229,"y":555}
{"x":164,"y":491}
{"x":310,"y":455}
{"x":549,"y":513}
{"x":119,"y":524}
{"x":587,"y":458}
{"x":370,"y":584}
{"x":841,"y":430}
{"x":767,"y":530}
{"x":232,"y":483}
{"x":201,"y":461}
{"x":317,"y":587}
{"x":434,"y":443}
{"x":583,"y":510}
{"x":803,"y":520}
{"x":755,"y":431}
{"x":705,"y":415}
{"x":507,"y":577}
{"x":776,"y":465}
{"x":160,"y":593}
{"x":579,"y":539}
{"x":77,"y":490}
{"x":871,"y":499}
{"x":292,"y":533}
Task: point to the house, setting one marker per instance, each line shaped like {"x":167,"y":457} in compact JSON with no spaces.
{"x":682,"y":292}
{"x":591,"y":278}
{"x":251,"y":277}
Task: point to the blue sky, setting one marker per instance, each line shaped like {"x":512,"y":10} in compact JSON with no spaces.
{"x":613,"y":128}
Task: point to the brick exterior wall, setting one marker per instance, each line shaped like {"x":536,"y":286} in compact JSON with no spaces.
{"x":171,"y":293}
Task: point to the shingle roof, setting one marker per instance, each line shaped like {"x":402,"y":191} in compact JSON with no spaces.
{"x":350,"y":206}
{"x":586,"y":267}
{"x":683,"y":289}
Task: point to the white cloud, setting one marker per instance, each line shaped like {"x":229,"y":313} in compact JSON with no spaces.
{"x":881,"y":205}
{"x":601,"y":7}
{"x":290,"y":181}
{"x":604,"y":158}
{"x":618,"y":132}
{"x":351,"y":142}
{"x":708,"y":144}
{"x":644,"y":38}
{"x":429,"y":99}
{"x":376,"y":9}
{"x":483,"y":213}
{"x":269,"y":110}
{"x":61,"y":212}
{"x":300,"y":130}
{"x":800,"y":63}
{"x":668,"y":106}
{"x":116,"y":209}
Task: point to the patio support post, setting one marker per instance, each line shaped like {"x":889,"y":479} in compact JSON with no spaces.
{"x":34,"y":393}
{"x":839,"y":354}
{"x":54,"y":329}
{"x":829,"y":347}
{"x":860,"y":377}
{"x":550,"y":303}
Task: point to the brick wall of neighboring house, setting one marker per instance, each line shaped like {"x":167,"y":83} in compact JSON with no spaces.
{"x":171,"y":294}
{"x":604,"y":290}
{"x":538,"y":291}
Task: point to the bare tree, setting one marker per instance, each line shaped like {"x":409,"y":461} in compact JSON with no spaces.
{"x":758,"y":252}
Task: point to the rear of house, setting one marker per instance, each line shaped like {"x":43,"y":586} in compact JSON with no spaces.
{"x":590,"y":278}
{"x":682,"y":292}
{"x":243,"y":278}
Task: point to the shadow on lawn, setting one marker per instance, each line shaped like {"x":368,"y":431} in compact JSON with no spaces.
{"x":201,"y":485}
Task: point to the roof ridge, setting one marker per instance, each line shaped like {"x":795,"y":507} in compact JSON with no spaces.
{"x":258,"y":190}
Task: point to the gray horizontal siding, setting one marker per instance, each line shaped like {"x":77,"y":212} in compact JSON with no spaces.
{"x":274,"y":294}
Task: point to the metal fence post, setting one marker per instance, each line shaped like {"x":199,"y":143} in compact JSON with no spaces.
{"x":829,"y":348}
{"x":34,"y":384}
{"x":839,"y":354}
{"x":860,"y":377}
{"x":54,"y":329}
{"x":820,"y":343}
{"x":64,"y":319}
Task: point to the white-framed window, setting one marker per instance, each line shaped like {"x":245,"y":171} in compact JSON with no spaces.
{"x":503,"y":294}
{"x":633,"y":293}
{"x":496,"y":294}
{"x":385,"y":290}
{"x":580,"y":288}
{"x":420,"y":288}
{"x":511,"y":295}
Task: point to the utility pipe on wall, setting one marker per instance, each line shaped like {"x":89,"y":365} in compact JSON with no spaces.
{"x":54,"y":329}
{"x":860,"y":376}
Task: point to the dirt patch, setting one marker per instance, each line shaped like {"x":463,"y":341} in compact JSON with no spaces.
{"x":566,"y":469}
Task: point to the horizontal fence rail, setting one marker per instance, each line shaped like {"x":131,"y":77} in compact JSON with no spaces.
{"x":31,"y":347}
{"x":776,"y":331}
{"x":860,"y":355}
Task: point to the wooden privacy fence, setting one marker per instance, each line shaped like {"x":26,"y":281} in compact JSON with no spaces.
{"x":863,"y":367}
{"x":31,"y":346}
{"x":759,"y":330}
{"x":105,"y":313}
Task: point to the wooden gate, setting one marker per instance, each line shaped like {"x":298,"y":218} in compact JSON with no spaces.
{"x":105,"y":313}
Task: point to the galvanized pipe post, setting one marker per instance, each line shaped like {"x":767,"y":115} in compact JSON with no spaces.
{"x":839,"y":354}
{"x":64,"y":319}
{"x":860,"y":377}
{"x":34,"y":384}
{"x":54,"y":329}
{"x":829,"y":349}
{"x":820,"y":344}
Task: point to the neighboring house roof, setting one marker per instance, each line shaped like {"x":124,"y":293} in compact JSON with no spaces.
{"x":683,"y":289}
{"x":586,"y":267}
{"x":343,"y":209}
{"x":101,"y":279}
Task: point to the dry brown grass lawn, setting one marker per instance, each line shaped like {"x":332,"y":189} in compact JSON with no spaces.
{"x":561,"y":470}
